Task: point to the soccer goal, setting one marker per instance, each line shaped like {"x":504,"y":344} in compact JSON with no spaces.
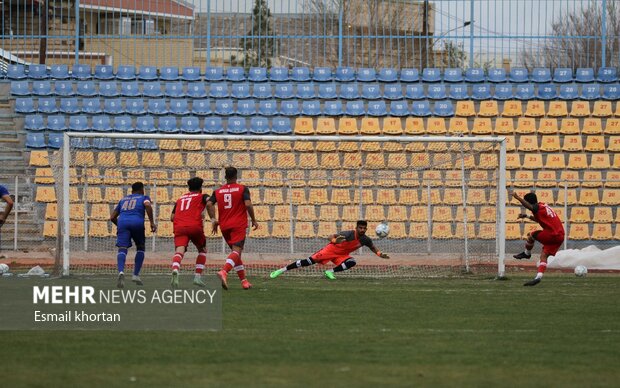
{"x":443,"y":197}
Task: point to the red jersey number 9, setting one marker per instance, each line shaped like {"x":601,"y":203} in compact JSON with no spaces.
{"x":227,"y":201}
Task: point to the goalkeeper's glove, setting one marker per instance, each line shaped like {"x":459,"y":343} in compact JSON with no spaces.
{"x":383,"y":255}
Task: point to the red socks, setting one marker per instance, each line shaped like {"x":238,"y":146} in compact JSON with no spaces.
{"x":176,"y":261}
{"x":200,"y":262}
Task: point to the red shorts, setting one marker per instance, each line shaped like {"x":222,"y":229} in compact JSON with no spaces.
{"x":184,"y":234}
{"x":235,"y":236}
{"x":322,"y":257}
{"x":551,"y":242}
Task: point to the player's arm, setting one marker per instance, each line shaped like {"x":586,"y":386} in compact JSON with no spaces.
{"x":524,"y":203}
{"x":174,"y":209}
{"x":249,"y":207}
{"x":336,"y":238}
{"x":365,"y":240}
{"x":7,"y":208}
{"x":149,"y":212}
{"x":211,"y":212}
{"x":114,"y":216}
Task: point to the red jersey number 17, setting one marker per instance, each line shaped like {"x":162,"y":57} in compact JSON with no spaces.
{"x":185,"y":202}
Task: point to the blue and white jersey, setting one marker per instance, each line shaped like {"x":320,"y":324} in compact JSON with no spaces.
{"x":131,"y":208}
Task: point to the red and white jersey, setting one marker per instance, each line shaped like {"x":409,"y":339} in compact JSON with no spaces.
{"x":231,"y":209}
{"x":188,"y":210}
{"x":548,"y":219}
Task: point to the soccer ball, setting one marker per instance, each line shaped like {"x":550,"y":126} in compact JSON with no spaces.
{"x":382,"y":230}
{"x":581,"y":271}
{"x":3,"y":268}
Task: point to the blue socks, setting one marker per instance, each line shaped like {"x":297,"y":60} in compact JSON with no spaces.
{"x":120,"y":259}
{"x":139,"y":261}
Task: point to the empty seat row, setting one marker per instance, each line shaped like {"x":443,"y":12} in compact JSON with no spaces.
{"x":320,"y":74}
{"x":561,"y":161}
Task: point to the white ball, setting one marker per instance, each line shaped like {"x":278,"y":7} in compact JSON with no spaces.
{"x":4,"y":268}
{"x":581,"y":271}
{"x":382,"y":230}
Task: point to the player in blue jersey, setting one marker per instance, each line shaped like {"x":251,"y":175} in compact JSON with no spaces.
{"x":4,"y":195}
{"x":128,"y":216}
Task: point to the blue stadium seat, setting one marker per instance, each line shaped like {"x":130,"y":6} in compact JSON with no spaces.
{"x":135,"y":106}
{"x":278,"y":74}
{"x":235,"y":74}
{"x":348,"y":91}
{"x":503,"y":92}
{"x":474,"y":75}
{"x":147,"y":144}
{"x":246,"y":108}
{"x":377,"y":108}
{"x":213,"y":125}
{"x":91,"y":105}
{"x":399,"y":108}
{"x":267,"y":108}
{"x":371,"y":91}
{"x":328,"y":91}
{"x":443,"y":109}
{"x":125,"y":144}
{"x":190,"y":124}
{"x":190,"y":73}
{"x":562,"y":75}
{"x":80,"y":143}
{"x":42,"y":88}
{"x":241,"y":90}
{"x":365,"y":74}
{"x":421,"y":109}
{"x":103,"y":143}
{"x":35,"y":140}
{"x":524,"y":92}
{"x":34,"y":123}
{"x":311,"y":108}
{"x":281,"y":126}
{"x":409,"y":75}
{"x":259,"y":125}
{"x":546,"y":92}
{"x":108,"y":89}
{"x":179,"y":106}
{"x":104,"y":72}
{"x":102,"y":123}
{"x":481,"y":92}
{"x":607,"y":74}
{"x":453,"y":75}
{"x":322,"y":74}
{"x":196,"y":90}
{"x":157,"y":106}
{"x":60,"y":71}
{"x":300,"y":74}
{"x":590,"y":92}
{"x":497,"y":75}
{"x":78,"y":123}
{"x":47,"y":105}
{"x":167,"y":124}
{"x":436,"y":92}
{"x":201,"y":107}
{"x":54,"y":140}
{"x":130,"y":89}
{"x":355,"y":108}
{"x":214,"y":74}
{"x":541,"y":75}
{"x":257,"y":74}
{"x":306,"y":91}
{"x":219,"y":90}
{"x":16,"y":72}
{"x":431,"y":74}
{"x":64,"y":88}
{"x":333,"y":108}
{"x":224,"y":107}
{"x":611,"y":92}
{"x":236,"y":126}
{"x":289,"y":108}
{"x":284,"y":91}
{"x":113,"y":106}
{"x":123,"y":124}
{"x":584,"y":75}
{"x":518,"y":74}
{"x":87,"y":88}
{"x":174,"y":90}
{"x":81,"y":72}
{"x":168,"y":73}
{"x":152,"y":89}
{"x":24,"y":105}
{"x":568,"y":92}
{"x":126,"y":72}
{"x":37,"y":72}
{"x":145,"y":124}
{"x":69,"y":105}
{"x":415,"y":92}
{"x":387,"y":74}
{"x":20,"y":88}
{"x":147,"y":73}
{"x":262,"y":91}
{"x":393,"y":92}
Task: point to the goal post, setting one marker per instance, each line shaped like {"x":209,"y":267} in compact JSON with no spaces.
{"x":443,"y":197}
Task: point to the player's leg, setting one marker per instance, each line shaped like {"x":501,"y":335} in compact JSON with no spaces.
{"x":542,"y":267}
{"x":529,"y":244}
{"x":551,"y":245}
{"x":197,"y":237}
{"x":139,"y":238}
{"x":294,"y":265}
{"x":341,"y":265}
{"x":181,"y":239}
{"x":123,"y":242}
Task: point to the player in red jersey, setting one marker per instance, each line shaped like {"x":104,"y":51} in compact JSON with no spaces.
{"x":551,"y":236}
{"x":187,"y":217}
{"x":233,"y":207}
{"x":337,"y":251}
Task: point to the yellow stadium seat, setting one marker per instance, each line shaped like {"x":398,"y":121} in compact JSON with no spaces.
{"x":555,"y":162}
{"x":191,"y":145}
{"x":488,"y":108}
{"x":98,"y":229}
{"x":504,"y":126}
{"x":612,"y":179}
{"x":326,"y":146}
{"x":76,"y":228}
{"x":397,"y":230}
{"x":577,"y":161}
{"x":318,"y":196}
{"x":113,"y":176}
{"x":458,"y":126}
{"x":409,"y":178}
{"x":50,"y":229}
{"x":592,"y":179}
{"x":528,"y":143}
{"x":352,"y":161}
{"x":442,"y":214}
{"x":165,"y":229}
{"x":486,"y":231}
{"x":341,"y":196}
{"x":128,"y":159}
{"x":325,"y":126}
{"x":44,"y":175}
{"x":164,"y":212}
{"x":374,"y":161}
{"x":431,"y":177}
{"x":512,"y":213}
{"x":616,"y":163}
{"x":374,"y":213}
{"x":570,"y":127}
{"x":347,"y":126}
{"x":579,"y":214}
{"x":159,"y":177}
{"x":280,"y":213}
{"x":612,"y":126}
{"x":535,"y":108}
{"x":51,"y":211}
{"x":465,"y":109}
{"x":180,"y":177}
{"x":546,"y":178}
{"x":106,"y":159}
{"x":592,"y":126}
{"x":250,"y":178}
{"x":285,"y":160}
{"x":419,"y":214}
{"x":511,"y":143}
{"x":460,"y":215}
{"x":304,"y":126}
{"x":259,"y":145}
{"x":215,"y":145}
{"x":386,"y":196}
{"x":557,"y":109}
{"x":460,"y":230}
{"x":397,"y":213}
{"x":93,"y":195}
{"x":307,"y":161}
{"x":264,"y":160}
{"x":242,"y":160}
{"x":392,"y":146}
{"x":614,"y":144}
{"x":602,"y":232}
{"x":513,"y":231}
{"x":602,"y":109}
{"x":326,"y":229}
{"x":328,"y":213}
{"x":348,"y":146}
{"x":418,"y":230}
{"x":441,"y":147}
{"x":526,"y":125}
{"x":273,"y":178}
{"x":169,"y":145}
{"x":545,"y":195}
{"x":370,"y":126}
{"x":610,"y":197}
{"x":572,"y":143}
{"x":392,"y":126}
{"x":548,"y":126}
{"x":550,"y":143}
{"x":568,"y":197}
{"x":533,"y":161}
{"x":617,"y":112}
{"x":281,"y":146}
{"x":436,"y":126}
{"x":39,"y":158}
{"x":420,"y":160}
{"x":385,"y":178}
{"x":580,"y":109}
{"x":173,"y":159}
{"x":306,"y":213}
{"x":195,"y":160}
{"x":351,"y":213}
{"x":273,"y":196}
{"x":453,"y":178}
{"x":569,"y":178}
{"x":512,"y":108}
{"x":408,"y":197}
{"x":151,"y":159}
{"x":100,"y":211}
{"x":442,"y":230}
{"x":112,"y":195}
{"x":487,"y":214}
{"x":414,"y":126}
{"x":523,"y":178}
{"x":84,"y":158}
{"x":600,"y":162}
{"x":477,"y":197}
{"x":442,"y":161}
{"x":513,"y":161}
{"x":317,"y":178}
{"x":579,"y":232}
{"x":329,"y":161}
{"x":482,"y":126}
{"x":603,"y":214}
{"x":451,"y":196}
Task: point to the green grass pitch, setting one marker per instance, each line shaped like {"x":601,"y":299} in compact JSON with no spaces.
{"x":296,"y":331}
